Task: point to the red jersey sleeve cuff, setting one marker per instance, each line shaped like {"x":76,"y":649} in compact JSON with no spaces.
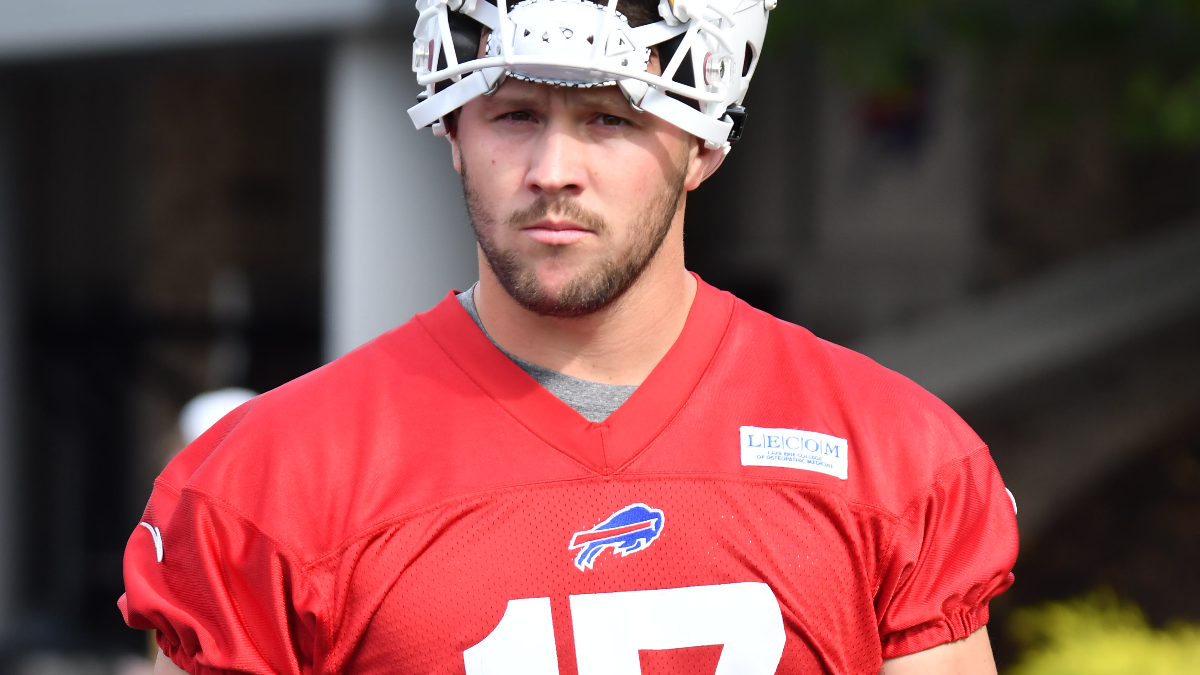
{"x":957,"y":624}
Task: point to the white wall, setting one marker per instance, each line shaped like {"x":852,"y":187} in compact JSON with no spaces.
{"x":397,"y":233}
{"x":39,"y":28}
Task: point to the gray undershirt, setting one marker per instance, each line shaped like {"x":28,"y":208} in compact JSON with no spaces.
{"x":594,"y":400}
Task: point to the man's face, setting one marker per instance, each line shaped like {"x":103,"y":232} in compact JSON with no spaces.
{"x":571,"y":192}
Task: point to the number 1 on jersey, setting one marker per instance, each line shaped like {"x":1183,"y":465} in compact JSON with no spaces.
{"x":521,"y":644}
{"x":611,"y":628}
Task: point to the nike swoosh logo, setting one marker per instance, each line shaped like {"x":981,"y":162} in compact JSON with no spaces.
{"x":157,"y":538}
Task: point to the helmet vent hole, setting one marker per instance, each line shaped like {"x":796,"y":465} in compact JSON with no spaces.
{"x":591,"y":39}
{"x":545,"y":37}
{"x":748,"y":62}
{"x":567,"y":33}
{"x":526,"y":32}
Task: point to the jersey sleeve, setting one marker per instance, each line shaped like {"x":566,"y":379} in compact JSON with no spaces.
{"x":220,"y":593}
{"x":952,"y":552}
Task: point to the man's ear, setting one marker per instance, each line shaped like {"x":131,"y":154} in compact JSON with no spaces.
{"x":704,"y":164}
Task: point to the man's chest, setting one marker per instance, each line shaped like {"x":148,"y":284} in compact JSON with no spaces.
{"x":616,"y":576}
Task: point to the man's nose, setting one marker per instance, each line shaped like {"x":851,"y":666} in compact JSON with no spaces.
{"x":557,"y":165}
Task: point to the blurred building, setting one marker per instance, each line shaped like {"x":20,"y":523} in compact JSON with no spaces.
{"x":229,"y":193}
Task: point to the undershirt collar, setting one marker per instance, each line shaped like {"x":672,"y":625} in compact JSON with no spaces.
{"x":594,"y":400}
{"x":604,"y":447}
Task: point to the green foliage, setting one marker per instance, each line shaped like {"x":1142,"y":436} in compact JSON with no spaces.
{"x":1146,"y":51}
{"x":1100,"y":635}
{"x":1158,"y":110}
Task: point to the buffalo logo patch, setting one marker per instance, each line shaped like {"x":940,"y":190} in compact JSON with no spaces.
{"x":629,"y":530}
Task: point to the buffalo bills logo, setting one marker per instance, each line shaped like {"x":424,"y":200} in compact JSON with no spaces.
{"x":629,"y":530}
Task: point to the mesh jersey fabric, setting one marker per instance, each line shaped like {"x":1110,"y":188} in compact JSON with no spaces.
{"x":411,"y":506}
{"x":594,"y":400}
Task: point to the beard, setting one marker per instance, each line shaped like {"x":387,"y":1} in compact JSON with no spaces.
{"x":596,"y":284}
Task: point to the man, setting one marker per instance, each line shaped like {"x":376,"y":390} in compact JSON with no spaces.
{"x":591,"y":462}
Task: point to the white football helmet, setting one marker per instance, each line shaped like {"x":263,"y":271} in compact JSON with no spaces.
{"x":709,"y":50}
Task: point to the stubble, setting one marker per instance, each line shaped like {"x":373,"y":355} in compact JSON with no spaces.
{"x":600,"y":282}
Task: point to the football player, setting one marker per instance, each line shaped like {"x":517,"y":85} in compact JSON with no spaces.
{"x":591,"y":462}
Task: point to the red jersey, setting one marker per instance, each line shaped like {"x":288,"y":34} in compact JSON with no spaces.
{"x":765,"y":502}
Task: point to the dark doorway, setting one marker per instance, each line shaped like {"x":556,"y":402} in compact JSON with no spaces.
{"x":170,"y":244}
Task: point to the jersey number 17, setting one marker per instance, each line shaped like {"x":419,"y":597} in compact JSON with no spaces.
{"x":611,"y":628}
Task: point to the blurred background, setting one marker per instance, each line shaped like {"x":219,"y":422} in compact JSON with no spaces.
{"x":997,"y":198}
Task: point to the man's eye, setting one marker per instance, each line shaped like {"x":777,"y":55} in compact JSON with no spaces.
{"x":518,"y":116}
{"x":611,"y":120}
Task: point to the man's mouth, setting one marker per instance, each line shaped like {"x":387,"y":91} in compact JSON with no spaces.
{"x":556,"y":232}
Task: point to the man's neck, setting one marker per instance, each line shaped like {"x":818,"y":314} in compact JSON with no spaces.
{"x":620,"y":344}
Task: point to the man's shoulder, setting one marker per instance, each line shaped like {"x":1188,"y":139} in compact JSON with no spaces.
{"x":900,"y":435}
{"x":793,"y":357}
{"x":304,"y":453}
{"x":378,"y":374}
